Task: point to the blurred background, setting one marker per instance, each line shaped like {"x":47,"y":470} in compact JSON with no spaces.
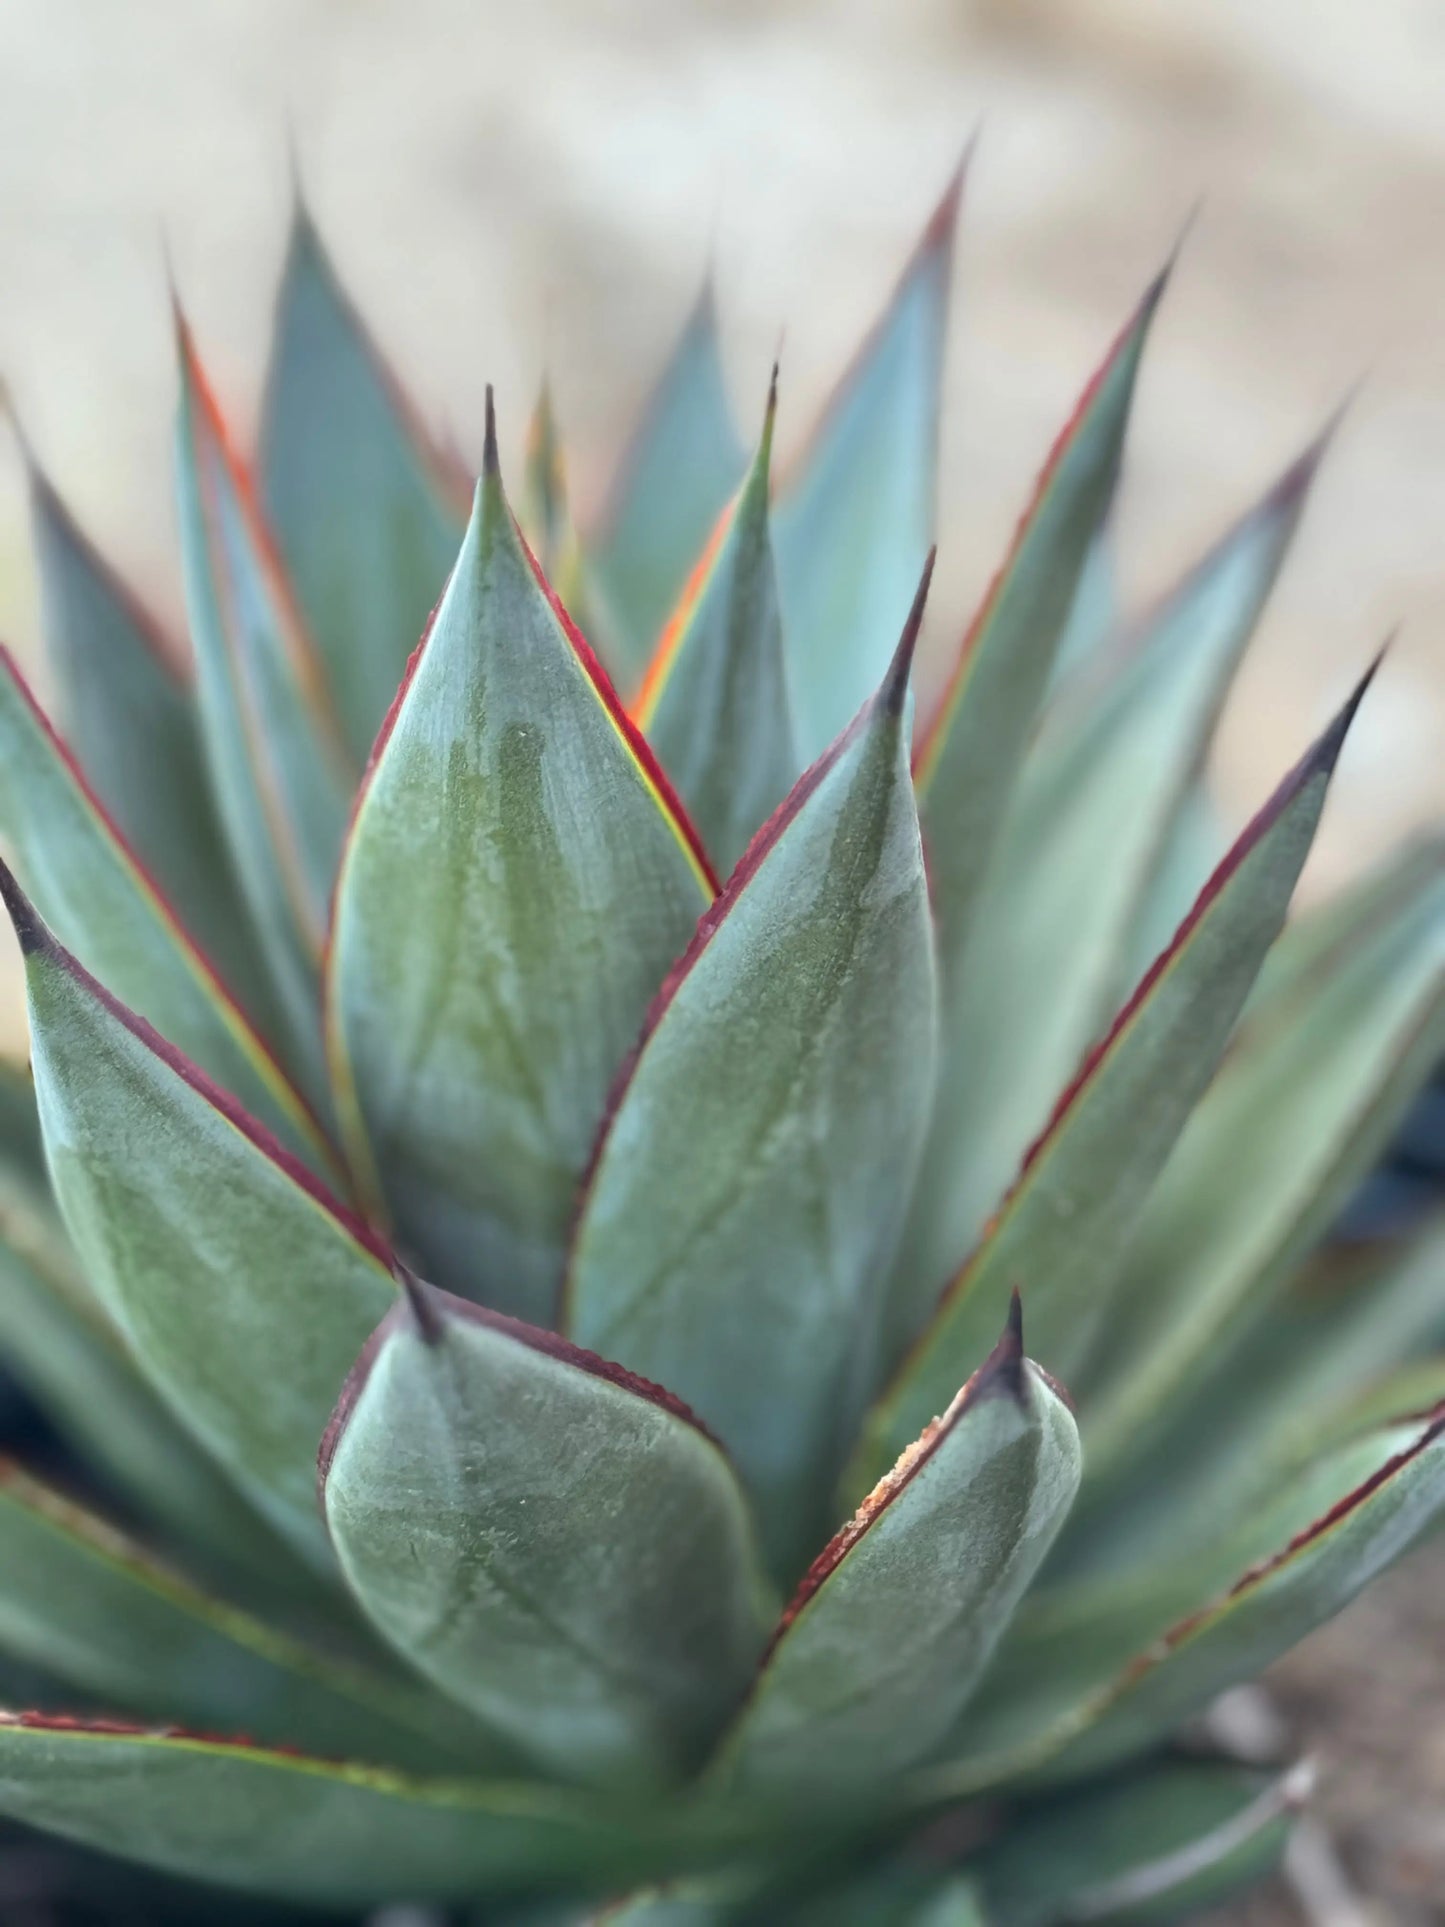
{"x":508,"y":188}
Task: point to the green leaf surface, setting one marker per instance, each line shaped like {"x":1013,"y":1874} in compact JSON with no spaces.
{"x":243,"y":1290}
{"x":1095,"y":614}
{"x":278,"y":760}
{"x":1065,"y":1225}
{"x":683,"y":463}
{"x":896,"y":1620}
{"x":750,"y":1179}
{"x":57,"y":1341}
{"x":715,"y":703}
{"x":855,"y":513}
{"x":516,"y":883}
{"x":367,"y":514}
{"x":91,"y":1608}
{"x":22,"y":1155}
{"x":1167,"y":1839}
{"x":555,"y":1544}
{"x":968,"y":758}
{"x":1095,"y":811}
{"x":127,"y":708}
{"x":297,"y":1828}
{"x":86,"y":882}
{"x":1193,"y":848}
{"x":1305,"y":1103}
{"x":1094,"y":1673}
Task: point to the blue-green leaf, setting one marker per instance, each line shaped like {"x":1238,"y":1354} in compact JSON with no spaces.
{"x":855,"y":514}
{"x":715,"y":703}
{"x":243,"y":1290}
{"x":516,"y":883}
{"x":684,"y":461}
{"x":280,"y":766}
{"x":1065,"y":1225}
{"x":749,"y":1182}
{"x":891,"y":1629}
{"x":1094,"y":813}
{"x":556,"y":1544}
{"x":89,"y":884}
{"x":367,"y":513}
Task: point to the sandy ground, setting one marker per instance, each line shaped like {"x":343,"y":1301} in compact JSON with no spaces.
{"x":508,"y":186}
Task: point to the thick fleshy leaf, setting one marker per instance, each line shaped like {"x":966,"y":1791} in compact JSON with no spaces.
{"x":278,"y":761}
{"x":57,"y":1341}
{"x":298,"y":1828}
{"x":750,"y":1179}
{"x":127,"y":708}
{"x":894,"y":1623}
{"x":969,"y":757}
{"x":1066,"y":1223}
{"x":242,"y":1288}
{"x":855,"y":513}
{"x":1153,"y":1847}
{"x":89,"y":1607}
{"x":87,"y":882}
{"x":517,"y":881}
{"x":1094,"y":814}
{"x":1092,"y":1674}
{"x":1192,"y":851}
{"x":367,"y":514}
{"x":556,"y":1544}
{"x":715,"y":703}
{"x":685,"y":460}
{"x":1303,"y":1107}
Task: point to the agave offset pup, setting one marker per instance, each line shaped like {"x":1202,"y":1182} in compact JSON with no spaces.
{"x":560,"y":1097}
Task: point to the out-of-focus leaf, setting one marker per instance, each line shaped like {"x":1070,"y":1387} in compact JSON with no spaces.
{"x":855,"y":513}
{"x":366,"y":513}
{"x":1151,"y":1847}
{"x":517,"y":881}
{"x":59,"y":1344}
{"x":750,"y":1179}
{"x":556,"y":1544}
{"x":1304,"y":1105}
{"x":715,"y":703}
{"x":278,"y":761}
{"x":1094,"y":1673}
{"x":298,"y":1828}
{"x":1095,"y":613}
{"x":21,"y":1151}
{"x":90,"y":1607}
{"x":1066,"y":1223}
{"x":684,"y":461}
{"x":128,"y":710}
{"x":546,"y":512}
{"x":1192,"y":850}
{"x":86,"y":881}
{"x":887,"y":1636}
{"x":242,"y":1288}
{"x":1093,"y":815}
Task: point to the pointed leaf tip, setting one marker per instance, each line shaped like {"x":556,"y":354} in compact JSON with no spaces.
{"x":1003,"y":1370}
{"x":1326,"y":752}
{"x":30,"y":932}
{"x":894,"y":691}
{"x":419,"y":1301}
{"x":491,"y":462}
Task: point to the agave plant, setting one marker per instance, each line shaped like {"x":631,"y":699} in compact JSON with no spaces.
{"x":565,"y":1099}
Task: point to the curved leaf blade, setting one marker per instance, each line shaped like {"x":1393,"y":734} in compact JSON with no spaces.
{"x":90,"y":885}
{"x":302,"y":1829}
{"x":280,"y":768}
{"x":892,"y":1627}
{"x":855,"y":514}
{"x":90,"y":1608}
{"x":127,"y":707}
{"x":554,"y":1543}
{"x":1174,"y":1837}
{"x":367,"y":515}
{"x":1067,"y":1220}
{"x":243,"y":1290}
{"x":1096,"y":808}
{"x":683,"y":463}
{"x":517,"y":880}
{"x":715,"y":703}
{"x":743,"y":1201}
